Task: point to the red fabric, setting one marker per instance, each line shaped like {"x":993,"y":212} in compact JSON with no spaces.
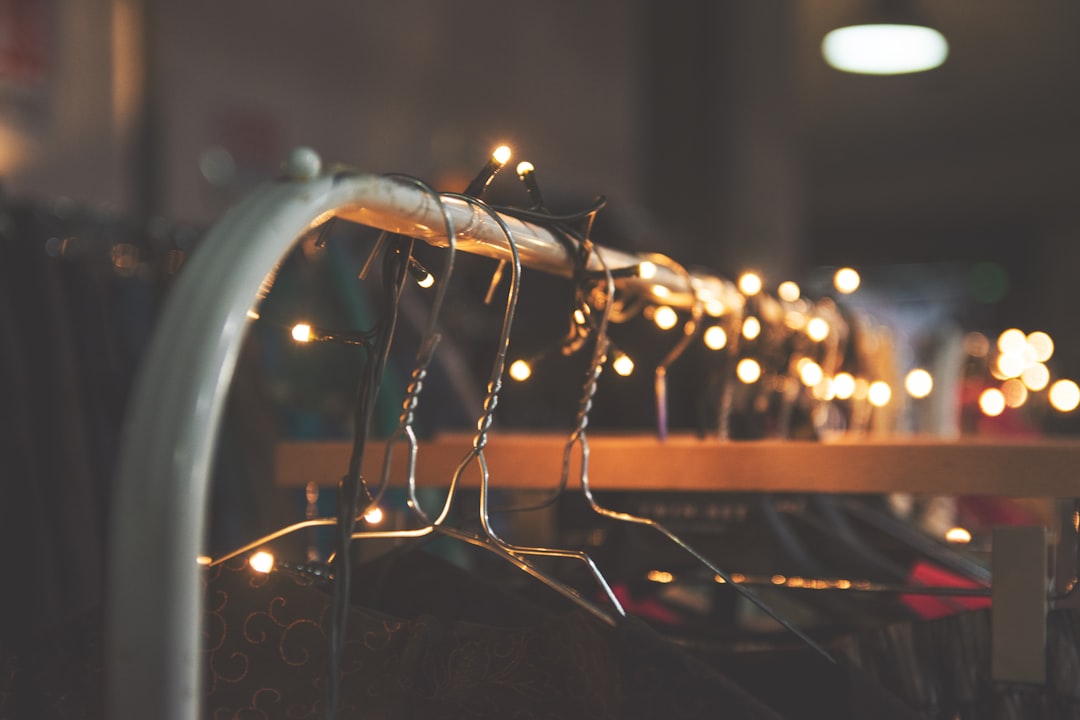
{"x":935,"y":606}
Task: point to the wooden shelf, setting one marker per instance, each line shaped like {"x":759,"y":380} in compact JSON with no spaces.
{"x":994,"y":466}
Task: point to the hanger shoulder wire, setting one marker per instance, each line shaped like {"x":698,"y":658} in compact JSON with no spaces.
{"x":489,"y":540}
{"x":579,"y":437}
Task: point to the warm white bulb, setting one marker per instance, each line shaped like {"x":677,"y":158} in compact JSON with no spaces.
{"x":1041,"y":345}
{"x":1036,"y":377}
{"x":844,"y":385}
{"x":665,"y":318}
{"x":810,"y":373}
{"x":788,"y":291}
{"x":714,"y":308}
{"x":846,"y":280}
{"x":646,"y":270}
{"x":1064,"y":396}
{"x":879,"y":393}
{"x":958,"y":535}
{"x":751,"y":328}
{"x":885,"y":49}
{"x":502,"y":154}
{"x":427,"y":281}
{"x":301,"y":332}
{"x":1012,"y":341}
{"x":1010,"y":365}
{"x":750,"y":284}
{"x":261,"y":562}
{"x":818,"y":329}
{"x":623,"y":365}
{"x":524,"y":167}
{"x":748,"y":370}
{"x":992,"y":402}
{"x":715,"y":338}
{"x":1015,"y":393}
{"x":919,"y":383}
{"x":520,"y":370}
{"x":374,"y":516}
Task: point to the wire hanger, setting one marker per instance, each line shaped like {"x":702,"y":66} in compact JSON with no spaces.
{"x":422,"y":355}
{"x":578,"y":437}
{"x":488,"y":539}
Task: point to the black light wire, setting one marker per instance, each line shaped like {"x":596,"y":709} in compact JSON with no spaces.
{"x":395,"y":272}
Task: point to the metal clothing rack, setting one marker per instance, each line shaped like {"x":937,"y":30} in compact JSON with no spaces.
{"x":159,"y":512}
{"x":158,"y":521}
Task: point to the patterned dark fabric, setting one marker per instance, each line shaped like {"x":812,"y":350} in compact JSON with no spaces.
{"x":266,"y":649}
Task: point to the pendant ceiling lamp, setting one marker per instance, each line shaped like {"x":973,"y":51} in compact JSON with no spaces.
{"x":891,"y":39}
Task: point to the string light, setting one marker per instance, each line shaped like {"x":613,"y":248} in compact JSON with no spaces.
{"x":1014,"y":392}
{"x":844,"y":385}
{"x":204,"y":560}
{"x":622,"y":364}
{"x":665,"y":318}
{"x":846,"y":280}
{"x":879,"y":393}
{"x":579,"y":316}
{"x":810,"y":373}
{"x":1041,"y":345}
{"x":817,"y":329}
{"x":1012,"y":341}
{"x":520,"y":370}
{"x":427,"y":281}
{"x":1036,"y":377}
{"x":261,"y":562}
{"x":527,"y":174}
{"x":374,"y":516}
{"x":1010,"y":364}
{"x":976,"y":344}
{"x":301,"y":333}
{"x":660,"y":576}
{"x":646,"y":270}
{"x":824,"y":390}
{"x":788,"y":291}
{"x":714,"y":308}
{"x":958,"y":535}
{"x":748,"y":370}
{"x":661,"y":291}
{"x":1064,"y":396}
{"x":480,"y":183}
{"x":749,"y":284}
{"x":992,"y":402}
{"x":751,"y":328}
{"x":715,"y":338}
{"x":919,"y":383}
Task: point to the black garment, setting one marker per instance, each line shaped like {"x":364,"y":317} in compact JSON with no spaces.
{"x":800,"y":684}
{"x":943,"y":668}
{"x":266,"y":650}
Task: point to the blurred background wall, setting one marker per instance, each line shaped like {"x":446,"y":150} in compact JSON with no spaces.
{"x":715,"y":128}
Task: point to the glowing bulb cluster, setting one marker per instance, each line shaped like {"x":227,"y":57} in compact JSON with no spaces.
{"x":1020,"y":366}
